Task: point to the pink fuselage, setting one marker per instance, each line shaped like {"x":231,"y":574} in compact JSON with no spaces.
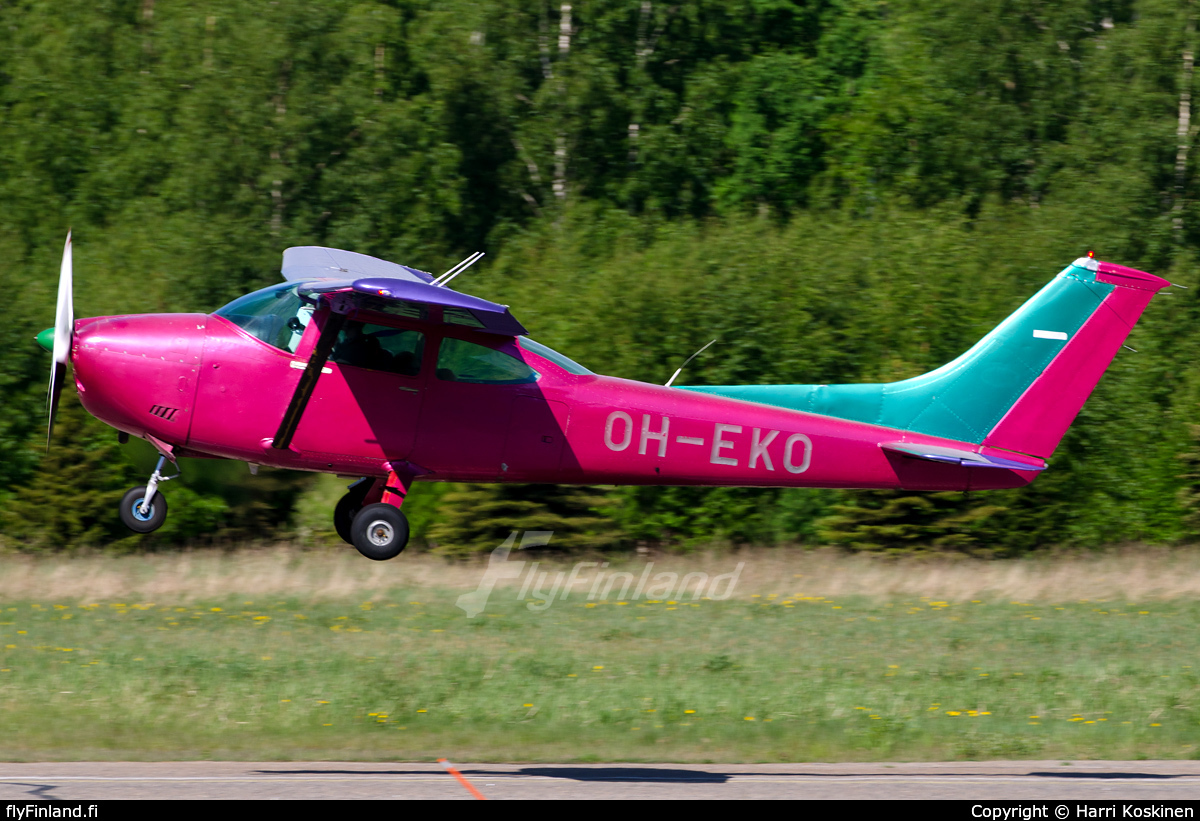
{"x":204,"y":387}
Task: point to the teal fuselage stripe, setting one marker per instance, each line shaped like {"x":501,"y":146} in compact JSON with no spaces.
{"x":963,"y":399}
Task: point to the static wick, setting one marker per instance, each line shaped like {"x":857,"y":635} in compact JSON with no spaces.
{"x":685,"y":364}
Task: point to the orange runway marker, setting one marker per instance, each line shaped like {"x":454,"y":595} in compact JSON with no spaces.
{"x":450,"y":769}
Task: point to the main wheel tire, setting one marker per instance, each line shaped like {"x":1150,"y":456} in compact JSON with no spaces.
{"x":343,"y":516}
{"x":134,"y":519}
{"x":380,"y":532}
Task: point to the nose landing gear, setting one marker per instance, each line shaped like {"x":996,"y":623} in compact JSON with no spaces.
{"x":144,"y":509}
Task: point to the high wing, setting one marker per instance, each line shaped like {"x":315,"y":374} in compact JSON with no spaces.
{"x":306,"y":262}
{"x":359,"y":281}
{"x":349,"y":282}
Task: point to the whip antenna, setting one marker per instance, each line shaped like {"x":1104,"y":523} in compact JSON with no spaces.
{"x":685,"y":363}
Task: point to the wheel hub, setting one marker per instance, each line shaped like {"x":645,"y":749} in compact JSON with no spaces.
{"x":380,"y":533}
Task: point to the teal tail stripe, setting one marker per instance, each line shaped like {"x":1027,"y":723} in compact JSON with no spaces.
{"x":964,"y":399}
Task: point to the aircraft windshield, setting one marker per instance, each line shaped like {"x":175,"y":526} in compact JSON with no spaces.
{"x":276,"y":315}
{"x":568,"y":365}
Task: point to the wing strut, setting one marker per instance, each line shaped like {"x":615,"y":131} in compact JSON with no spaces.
{"x":308,"y":381}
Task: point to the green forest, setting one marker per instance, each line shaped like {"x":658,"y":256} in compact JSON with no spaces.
{"x":835,"y":190}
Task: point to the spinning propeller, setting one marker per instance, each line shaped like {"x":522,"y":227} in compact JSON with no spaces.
{"x":58,"y":339}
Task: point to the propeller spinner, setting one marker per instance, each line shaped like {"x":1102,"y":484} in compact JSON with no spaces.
{"x":64,"y":328}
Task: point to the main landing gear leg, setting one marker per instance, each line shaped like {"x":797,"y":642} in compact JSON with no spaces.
{"x":144,"y":509}
{"x":380,"y":530}
{"x":349,"y":505}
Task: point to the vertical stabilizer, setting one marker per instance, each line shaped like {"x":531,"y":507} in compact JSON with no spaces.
{"x":1017,"y":389}
{"x":1038,"y":419}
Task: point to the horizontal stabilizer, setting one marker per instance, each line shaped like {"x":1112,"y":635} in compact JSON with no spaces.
{"x":954,"y":456}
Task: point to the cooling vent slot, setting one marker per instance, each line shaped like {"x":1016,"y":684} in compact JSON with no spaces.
{"x":163,"y":412}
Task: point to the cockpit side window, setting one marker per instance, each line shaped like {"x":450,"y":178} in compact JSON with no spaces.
{"x":276,"y":315}
{"x":379,"y":348}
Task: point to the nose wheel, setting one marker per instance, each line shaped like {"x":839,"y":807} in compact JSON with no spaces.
{"x":379,"y":531}
{"x":139,"y":517}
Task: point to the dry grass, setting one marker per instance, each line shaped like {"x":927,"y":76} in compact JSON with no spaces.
{"x":1132,"y":574}
{"x":286,"y":654}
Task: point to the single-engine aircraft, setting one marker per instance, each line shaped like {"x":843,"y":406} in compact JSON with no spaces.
{"x":378,"y":371}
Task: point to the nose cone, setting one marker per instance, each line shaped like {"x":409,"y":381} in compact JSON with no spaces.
{"x":138,"y":373}
{"x":46,"y":339}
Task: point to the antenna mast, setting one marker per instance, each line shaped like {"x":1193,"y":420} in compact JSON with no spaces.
{"x":445,"y":278}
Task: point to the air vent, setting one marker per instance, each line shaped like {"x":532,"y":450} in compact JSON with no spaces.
{"x":163,"y":412}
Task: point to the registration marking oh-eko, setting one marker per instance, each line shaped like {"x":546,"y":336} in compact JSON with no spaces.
{"x":726,"y":442}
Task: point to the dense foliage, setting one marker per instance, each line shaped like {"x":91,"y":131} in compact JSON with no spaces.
{"x":838,"y":190}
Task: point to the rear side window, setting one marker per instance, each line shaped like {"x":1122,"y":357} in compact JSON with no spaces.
{"x":379,"y":348}
{"x":461,"y":361}
{"x":568,"y":365}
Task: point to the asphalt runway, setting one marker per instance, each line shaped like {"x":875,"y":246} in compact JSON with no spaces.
{"x":984,"y":781}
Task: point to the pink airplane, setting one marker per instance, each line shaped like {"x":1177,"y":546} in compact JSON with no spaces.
{"x":365,"y":368}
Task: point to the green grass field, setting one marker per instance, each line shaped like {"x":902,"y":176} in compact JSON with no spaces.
{"x":336,"y":658}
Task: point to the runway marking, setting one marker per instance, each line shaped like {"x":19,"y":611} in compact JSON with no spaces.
{"x":461,"y":780}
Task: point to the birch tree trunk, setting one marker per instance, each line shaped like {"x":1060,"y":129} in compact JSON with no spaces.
{"x":1183,"y":131}
{"x":560,"y":140}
